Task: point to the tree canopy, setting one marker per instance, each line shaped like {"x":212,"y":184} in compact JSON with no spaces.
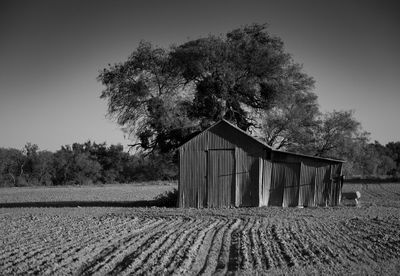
{"x":292,"y":123}
{"x":162,"y":97}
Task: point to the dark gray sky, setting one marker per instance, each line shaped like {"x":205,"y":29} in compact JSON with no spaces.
{"x":51,"y":53}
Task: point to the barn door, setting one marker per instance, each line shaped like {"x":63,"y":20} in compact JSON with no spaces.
{"x":285,"y":184}
{"x":220,"y":178}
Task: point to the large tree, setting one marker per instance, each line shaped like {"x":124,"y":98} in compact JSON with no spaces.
{"x":394,"y":152}
{"x":143,"y":96}
{"x":235,"y":76}
{"x":297,"y":125}
{"x":164,"y":96}
{"x":335,"y":134}
{"x":335,"y":130}
{"x":332,"y":134}
{"x":291,"y":124}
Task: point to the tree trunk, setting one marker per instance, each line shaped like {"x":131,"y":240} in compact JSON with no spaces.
{"x":13,"y":178}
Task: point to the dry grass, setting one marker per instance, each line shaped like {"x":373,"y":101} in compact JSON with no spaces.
{"x":111,"y":193}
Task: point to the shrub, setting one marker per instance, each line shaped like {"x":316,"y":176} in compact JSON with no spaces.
{"x":167,"y":199}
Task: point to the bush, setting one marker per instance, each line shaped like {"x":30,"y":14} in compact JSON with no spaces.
{"x":21,"y":182}
{"x":167,"y":199}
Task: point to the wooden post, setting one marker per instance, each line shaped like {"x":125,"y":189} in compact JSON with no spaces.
{"x":180,"y":199}
{"x":260,"y":182}
{"x":298,"y":196}
{"x":207,"y":177}
{"x":315,"y":186}
{"x":330,"y":187}
{"x":236,"y":181}
{"x":341,"y":183}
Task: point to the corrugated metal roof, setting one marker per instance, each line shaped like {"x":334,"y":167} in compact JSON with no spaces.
{"x":223,"y":121}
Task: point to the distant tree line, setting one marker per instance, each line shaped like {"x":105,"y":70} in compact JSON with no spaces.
{"x":80,"y":164}
{"x":91,"y":163}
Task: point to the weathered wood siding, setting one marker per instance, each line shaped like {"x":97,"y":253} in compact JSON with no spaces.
{"x":291,"y":184}
{"x":307,"y":185}
{"x":277,"y":184}
{"x":336,"y":185}
{"x":220,"y":168}
{"x":247,"y":176}
{"x":266,"y":182}
{"x":192,"y":183}
{"x":221,"y":178}
{"x":225,"y":167}
{"x":305,"y":182}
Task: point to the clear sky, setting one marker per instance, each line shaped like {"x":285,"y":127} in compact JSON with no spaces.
{"x":51,"y":53}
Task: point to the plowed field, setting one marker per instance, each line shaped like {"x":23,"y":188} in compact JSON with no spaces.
{"x":163,"y":241}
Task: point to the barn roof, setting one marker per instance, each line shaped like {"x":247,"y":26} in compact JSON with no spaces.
{"x":262,"y":143}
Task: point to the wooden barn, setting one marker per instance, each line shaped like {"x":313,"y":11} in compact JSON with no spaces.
{"x":223,"y":166}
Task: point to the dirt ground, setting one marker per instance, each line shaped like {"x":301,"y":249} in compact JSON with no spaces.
{"x":341,"y":240}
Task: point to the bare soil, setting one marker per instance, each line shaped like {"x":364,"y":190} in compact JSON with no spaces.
{"x":339,"y":240}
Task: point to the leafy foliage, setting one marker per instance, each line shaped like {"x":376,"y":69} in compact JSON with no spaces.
{"x":300,"y":127}
{"x":11,"y":166}
{"x":143,"y":96}
{"x":167,"y":199}
{"x":165,"y":96}
{"x":292,"y":123}
{"x":81,"y":164}
{"x":237,"y":75}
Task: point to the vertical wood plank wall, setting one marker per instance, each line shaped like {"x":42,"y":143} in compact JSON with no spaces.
{"x":307,"y":185}
{"x":220,"y":178}
{"x":266,"y":182}
{"x":223,"y":167}
{"x":291,"y":184}
{"x":277,"y":184}
{"x":205,"y":161}
{"x":304,"y":184}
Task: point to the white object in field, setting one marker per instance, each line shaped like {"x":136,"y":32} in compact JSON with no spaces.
{"x":358,"y":196}
{"x":353,"y":195}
